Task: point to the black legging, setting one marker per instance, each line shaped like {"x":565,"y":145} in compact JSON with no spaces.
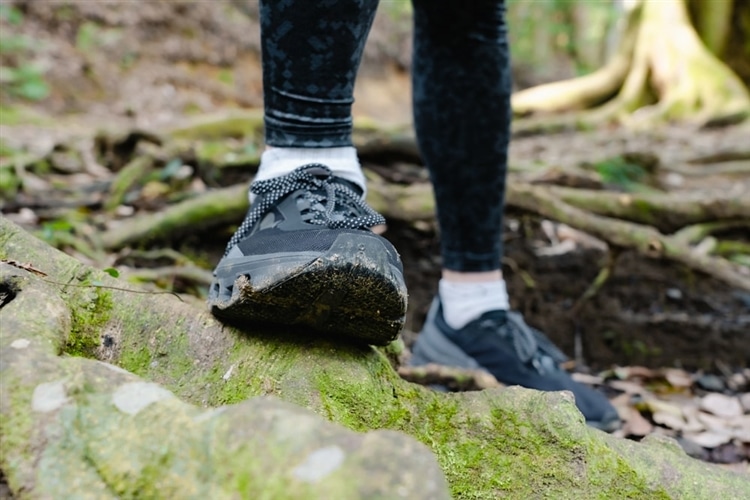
{"x":461,"y":86}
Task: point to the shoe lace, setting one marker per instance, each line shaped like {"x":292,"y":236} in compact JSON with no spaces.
{"x":531,"y":345}
{"x":324,"y":200}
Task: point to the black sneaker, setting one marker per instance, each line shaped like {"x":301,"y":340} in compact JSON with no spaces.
{"x":305,"y":256}
{"x":501,"y":343}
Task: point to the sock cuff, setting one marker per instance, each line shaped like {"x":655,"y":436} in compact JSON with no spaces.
{"x":465,"y":302}
{"x":342,"y":161}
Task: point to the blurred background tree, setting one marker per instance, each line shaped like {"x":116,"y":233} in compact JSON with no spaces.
{"x":666,"y":59}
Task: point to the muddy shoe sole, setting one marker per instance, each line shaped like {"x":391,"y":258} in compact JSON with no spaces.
{"x":351,"y":290}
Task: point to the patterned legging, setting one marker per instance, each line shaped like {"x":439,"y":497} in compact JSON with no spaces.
{"x":461,"y":87}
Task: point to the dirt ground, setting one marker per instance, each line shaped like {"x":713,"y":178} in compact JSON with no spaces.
{"x":166,"y":62}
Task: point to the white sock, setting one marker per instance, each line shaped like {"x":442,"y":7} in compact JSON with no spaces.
{"x":464,"y":302}
{"x":343,"y":161}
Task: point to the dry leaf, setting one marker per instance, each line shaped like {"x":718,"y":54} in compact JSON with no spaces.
{"x":721,"y":405}
{"x":670,"y":420}
{"x":626,"y":386}
{"x":745,"y":401}
{"x":630,"y":372}
{"x":585,"y":378}
{"x":636,"y":425}
{"x":712,"y":422}
{"x":678,"y":378}
{"x":657,"y":406}
{"x":709,"y":439}
{"x":742,"y":435}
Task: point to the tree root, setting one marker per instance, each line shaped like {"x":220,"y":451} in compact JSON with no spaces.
{"x":661,"y":54}
{"x":415,"y":202}
{"x":453,"y":379}
{"x":72,"y":425}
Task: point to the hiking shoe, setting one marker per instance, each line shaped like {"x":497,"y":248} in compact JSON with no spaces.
{"x":501,"y":343}
{"x":305,"y":255}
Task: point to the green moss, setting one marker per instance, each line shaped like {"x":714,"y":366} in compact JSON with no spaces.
{"x":15,"y":427}
{"x":136,"y":361}
{"x":90,"y":310}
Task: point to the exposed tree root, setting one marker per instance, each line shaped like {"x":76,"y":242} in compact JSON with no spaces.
{"x":663,"y":73}
{"x":72,"y":426}
{"x":577,"y":208}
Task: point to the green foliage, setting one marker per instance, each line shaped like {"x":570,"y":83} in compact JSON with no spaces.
{"x":9,"y":180}
{"x":20,"y":75}
{"x":545,"y":33}
{"x":621,"y":173}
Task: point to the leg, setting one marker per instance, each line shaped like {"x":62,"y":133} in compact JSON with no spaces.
{"x":305,"y":254}
{"x":310,"y":53}
{"x":462,"y":85}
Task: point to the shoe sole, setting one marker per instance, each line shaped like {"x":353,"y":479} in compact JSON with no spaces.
{"x":352,"y":290}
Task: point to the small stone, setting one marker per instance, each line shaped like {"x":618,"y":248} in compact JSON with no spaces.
{"x":20,"y":343}
{"x":49,"y":397}
{"x":319,"y":464}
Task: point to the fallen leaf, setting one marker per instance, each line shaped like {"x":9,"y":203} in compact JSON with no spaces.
{"x":670,"y":420}
{"x":745,"y":401}
{"x":657,"y":406}
{"x":636,"y":425}
{"x":709,"y":439}
{"x":721,"y":405}
{"x":693,"y":423}
{"x":585,"y":378}
{"x":626,"y":386}
{"x":712,"y":422}
{"x":742,"y":435}
{"x":678,"y":378}
{"x":630,"y":372}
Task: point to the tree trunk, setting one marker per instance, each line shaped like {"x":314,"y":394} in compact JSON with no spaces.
{"x":670,"y":75}
{"x":72,"y":426}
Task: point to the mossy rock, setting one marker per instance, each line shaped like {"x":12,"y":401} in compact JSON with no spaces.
{"x":511,"y":443}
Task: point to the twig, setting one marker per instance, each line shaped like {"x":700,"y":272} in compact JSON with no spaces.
{"x":601,"y":278}
{"x":455,"y":379}
{"x":97,"y":285}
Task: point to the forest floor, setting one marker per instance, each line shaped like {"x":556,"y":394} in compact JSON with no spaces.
{"x":665,"y":343}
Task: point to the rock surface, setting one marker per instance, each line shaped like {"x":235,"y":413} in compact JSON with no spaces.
{"x":85,"y":427}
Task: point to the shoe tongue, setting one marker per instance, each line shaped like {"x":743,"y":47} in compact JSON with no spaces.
{"x":354,"y":187}
{"x":498,"y":315}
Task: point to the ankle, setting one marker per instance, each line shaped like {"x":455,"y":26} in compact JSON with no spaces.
{"x":472,"y":277}
{"x":342,"y":161}
{"x":464,"y":302}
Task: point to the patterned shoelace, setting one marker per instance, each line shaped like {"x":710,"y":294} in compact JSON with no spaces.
{"x":327,"y":202}
{"x":530,"y":344}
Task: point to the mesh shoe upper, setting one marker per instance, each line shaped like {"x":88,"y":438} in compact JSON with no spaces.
{"x":516,"y":354}
{"x":304,"y":211}
{"x":305,"y":257}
